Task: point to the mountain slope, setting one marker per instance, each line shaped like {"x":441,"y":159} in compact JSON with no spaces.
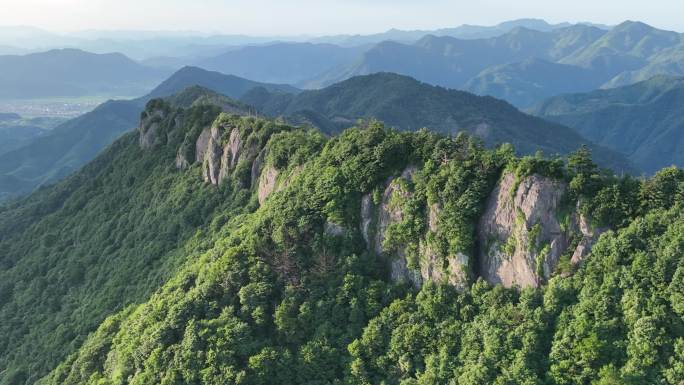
{"x":65,"y":149}
{"x":643,"y":120}
{"x":408,"y":104}
{"x":349,"y":260}
{"x":71,"y":72}
{"x":84,"y":236}
{"x":15,"y":131}
{"x":626,"y":47}
{"x":296,"y":62}
{"x":524,"y":83}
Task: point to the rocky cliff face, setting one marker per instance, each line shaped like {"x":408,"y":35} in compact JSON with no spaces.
{"x":429,"y":264}
{"x":221,"y":149}
{"x":267,"y":183}
{"x":523,"y":233}
{"x":150,"y":125}
{"x":521,"y":238}
{"x":212,"y":156}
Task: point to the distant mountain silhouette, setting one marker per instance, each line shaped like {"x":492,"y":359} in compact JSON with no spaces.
{"x":71,"y":72}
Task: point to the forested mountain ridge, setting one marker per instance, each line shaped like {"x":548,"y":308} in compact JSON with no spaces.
{"x":643,"y":121}
{"x":361,"y":258}
{"x":407,"y":104}
{"x":51,"y":157}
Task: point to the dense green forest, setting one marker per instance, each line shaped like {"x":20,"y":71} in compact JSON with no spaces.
{"x":135,"y":271}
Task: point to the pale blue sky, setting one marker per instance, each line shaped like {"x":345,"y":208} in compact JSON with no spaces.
{"x":292,"y":17}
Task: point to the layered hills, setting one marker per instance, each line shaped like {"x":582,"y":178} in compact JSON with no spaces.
{"x":400,"y":101}
{"x":407,"y":104}
{"x":643,"y":121}
{"x":525,"y":65}
{"x":74,"y":73}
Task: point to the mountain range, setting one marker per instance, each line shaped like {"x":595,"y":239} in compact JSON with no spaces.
{"x":142,"y":45}
{"x":524,"y":66}
{"x":296,"y":62}
{"x":522,"y":62}
{"x":347,"y":210}
{"x":644,"y":121}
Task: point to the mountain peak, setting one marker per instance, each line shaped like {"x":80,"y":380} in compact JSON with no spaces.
{"x":530,"y":23}
{"x":628,"y":25}
{"x":229,"y":85}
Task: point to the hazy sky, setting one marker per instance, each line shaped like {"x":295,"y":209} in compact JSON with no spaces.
{"x":291,"y":17}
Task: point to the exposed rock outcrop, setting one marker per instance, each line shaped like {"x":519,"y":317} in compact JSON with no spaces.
{"x":212,"y":156}
{"x":234,"y":146}
{"x":366,"y":217}
{"x":273,"y":180}
{"x":432,"y":267}
{"x":202,"y":144}
{"x":181,"y":161}
{"x":150,"y":124}
{"x":452,"y":269}
{"x":257,"y":167}
{"x":267,"y":183}
{"x":590,"y":236}
{"x":376,"y":220}
{"x":222,"y":153}
{"x":388,"y":212}
{"x":521,"y":235}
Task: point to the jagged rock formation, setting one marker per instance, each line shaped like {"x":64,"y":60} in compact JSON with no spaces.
{"x":181,"y":160}
{"x":212,"y":156}
{"x":523,"y":234}
{"x":267,"y":183}
{"x":452,"y":269}
{"x":150,"y":123}
{"x":375,"y":220}
{"x":202,"y":144}
{"x":590,"y":236}
{"x":430,"y":265}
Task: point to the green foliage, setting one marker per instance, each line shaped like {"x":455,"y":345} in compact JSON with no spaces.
{"x":194,"y":284}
